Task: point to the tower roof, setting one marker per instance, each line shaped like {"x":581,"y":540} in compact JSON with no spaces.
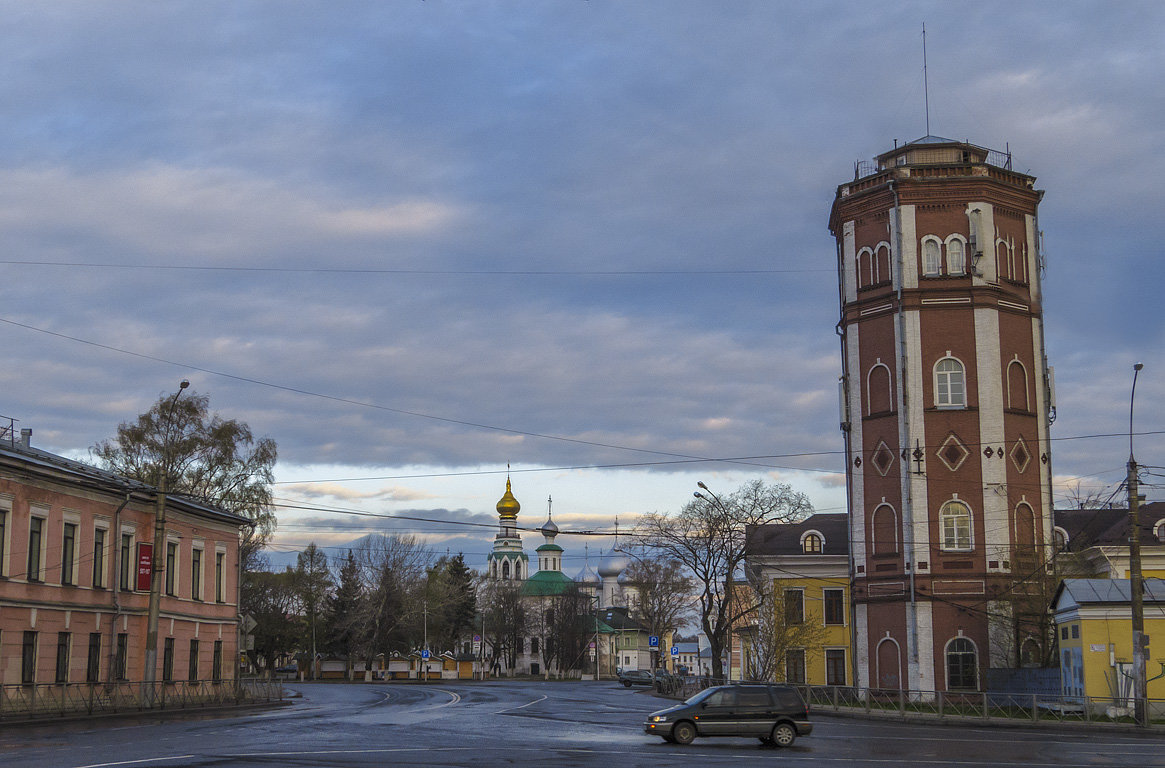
{"x":508,"y":506}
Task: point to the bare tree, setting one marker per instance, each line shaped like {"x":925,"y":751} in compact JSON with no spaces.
{"x":772,"y":629}
{"x":313,"y":585}
{"x":392,"y":575}
{"x":505,"y":619}
{"x":707,"y":537}
{"x":663,"y":593}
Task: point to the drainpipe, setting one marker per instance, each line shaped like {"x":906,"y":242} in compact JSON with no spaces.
{"x":904,"y":441}
{"x":115,"y":581}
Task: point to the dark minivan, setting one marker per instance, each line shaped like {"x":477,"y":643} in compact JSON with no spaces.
{"x":775,"y":714}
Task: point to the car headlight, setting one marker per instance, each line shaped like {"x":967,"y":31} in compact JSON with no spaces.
{"x":659,"y":718}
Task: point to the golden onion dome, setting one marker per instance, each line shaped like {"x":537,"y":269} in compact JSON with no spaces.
{"x":508,"y":506}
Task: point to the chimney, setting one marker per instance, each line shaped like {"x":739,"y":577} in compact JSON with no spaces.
{"x":26,"y":438}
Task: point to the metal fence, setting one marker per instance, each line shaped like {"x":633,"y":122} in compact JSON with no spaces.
{"x":21,"y":702}
{"x":941,"y":705}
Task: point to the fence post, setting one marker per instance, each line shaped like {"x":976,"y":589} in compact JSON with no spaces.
{"x":1088,"y":709}
{"x":941,"y":700}
{"x":866,"y":698}
{"x":986,"y":706}
{"x":902,"y":701}
{"x":835,"y":698}
{"x":1035,"y":707}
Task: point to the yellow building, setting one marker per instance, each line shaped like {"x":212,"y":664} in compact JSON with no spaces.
{"x":1095,"y":542}
{"x":810,"y":628}
{"x":1094,"y":629}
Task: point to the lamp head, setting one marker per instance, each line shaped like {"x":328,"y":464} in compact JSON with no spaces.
{"x":1138,"y":366}
{"x":183,"y":384}
{"x":697,"y":494}
{"x":701,"y":484}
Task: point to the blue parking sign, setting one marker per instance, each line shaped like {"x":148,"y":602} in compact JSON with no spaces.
{"x":425,"y":654}
{"x":653,"y":641}
{"x":675,"y":650}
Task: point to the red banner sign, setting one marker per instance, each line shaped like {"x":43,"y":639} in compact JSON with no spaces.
{"x":145,"y":566}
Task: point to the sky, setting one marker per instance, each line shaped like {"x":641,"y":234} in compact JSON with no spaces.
{"x":414,"y":242}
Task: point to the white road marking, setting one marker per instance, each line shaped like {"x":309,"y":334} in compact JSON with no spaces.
{"x":456,"y":698}
{"x":523,"y":706}
{"x":135,"y":762}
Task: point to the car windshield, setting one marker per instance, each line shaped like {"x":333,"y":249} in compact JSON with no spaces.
{"x":701,"y":696}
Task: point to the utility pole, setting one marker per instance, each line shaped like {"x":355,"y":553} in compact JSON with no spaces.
{"x":1140,"y":639}
{"x":150,"y":673}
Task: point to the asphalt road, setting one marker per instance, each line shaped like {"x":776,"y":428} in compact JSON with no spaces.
{"x":562,"y":725}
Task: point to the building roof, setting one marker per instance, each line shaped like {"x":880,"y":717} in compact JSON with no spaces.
{"x":20,"y":452}
{"x":619,"y":619}
{"x":547,"y":584}
{"x":1108,"y":527}
{"x":785,"y":538}
{"x":1106,"y":591}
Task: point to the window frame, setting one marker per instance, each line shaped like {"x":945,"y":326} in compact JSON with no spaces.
{"x":961,"y":538}
{"x":69,"y":553}
{"x":172,"y":565}
{"x":962,"y":270}
{"x":34,"y":570}
{"x":833,"y":665}
{"x":795,"y":671}
{"x":945,"y":378}
{"x":100,"y":542}
{"x":797,"y":616}
{"x":960,"y":656}
{"x":196,"y":566}
{"x":64,"y":652}
{"x":833,"y":600}
{"x":932,"y":268}
{"x":93,"y":659}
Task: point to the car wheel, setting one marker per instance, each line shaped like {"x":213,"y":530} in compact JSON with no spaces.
{"x":683,"y":733}
{"x":626,"y":683}
{"x":784,"y":735}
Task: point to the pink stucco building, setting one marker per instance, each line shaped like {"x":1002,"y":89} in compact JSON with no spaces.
{"x":74,"y":541}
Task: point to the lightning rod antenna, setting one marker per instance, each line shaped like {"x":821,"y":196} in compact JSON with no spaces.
{"x":925,"y":84}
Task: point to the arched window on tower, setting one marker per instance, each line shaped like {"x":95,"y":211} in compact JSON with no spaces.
{"x":882,"y":263}
{"x":954,"y":521}
{"x":950,"y":386}
{"x":865,"y":268}
{"x":505,"y":569}
{"x":1017,"y":390}
{"x":1025,"y":530}
{"x":879,"y":394}
{"x":956,"y":258}
{"x":931,"y":257}
{"x":884,"y":531}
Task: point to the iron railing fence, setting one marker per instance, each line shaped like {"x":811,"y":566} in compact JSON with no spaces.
{"x":940,"y":705}
{"x":61,"y":699}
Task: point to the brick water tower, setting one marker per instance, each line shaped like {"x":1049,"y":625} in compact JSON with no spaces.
{"x":946,"y":405}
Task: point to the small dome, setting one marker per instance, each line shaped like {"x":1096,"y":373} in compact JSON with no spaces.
{"x":612,"y":565}
{"x":587,"y":577}
{"x":508,"y":506}
{"x":549,"y":528}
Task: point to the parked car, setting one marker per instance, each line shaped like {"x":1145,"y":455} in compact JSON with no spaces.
{"x":630,"y":677}
{"x":775,"y":714}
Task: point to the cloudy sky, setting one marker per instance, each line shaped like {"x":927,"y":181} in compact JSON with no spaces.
{"x":415,"y":241}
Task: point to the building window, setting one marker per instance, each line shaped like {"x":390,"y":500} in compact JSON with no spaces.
{"x":216,"y":662}
{"x":121,"y":660}
{"x":834,"y":600}
{"x":955,"y":526}
{"x":35,"y":538}
{"x":28,"y":659}
{"x":171,"y":568}
{"x":192,"y":670}
{"x":956,"y":261}
{"x":950,"y":387}
{"x":882,"y":263}
{"x":93,"y":660}
{"x":533,"y":645}
{"x":196,"y":574}
{"x":865,"y":268}
{"x":962,"y":665}
{"x":794,"y":606}
{"x":795,"y":665}
{"x":126,"y":561}
{"x":1075,"y":631}
{"x":835,"y":666}
{"x":99,"y":535}
{"x":168,"y":661}
{"x":931,"y":258}
{"x":812,"y":544}
{"x":219,"y":575}
{"x":64,"y":640}
{"x":1064,"y":633}
{"x":68,"y":549}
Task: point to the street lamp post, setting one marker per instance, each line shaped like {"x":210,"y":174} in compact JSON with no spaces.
{"x":1140,"y":639}
{"x":150,"y":673}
